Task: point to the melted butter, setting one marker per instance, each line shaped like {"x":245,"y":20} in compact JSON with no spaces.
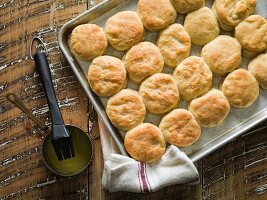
{"x":74,"y":165}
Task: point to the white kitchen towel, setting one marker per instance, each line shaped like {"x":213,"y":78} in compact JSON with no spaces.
{"x":122,"y":173}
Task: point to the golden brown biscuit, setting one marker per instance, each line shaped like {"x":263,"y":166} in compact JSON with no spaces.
{"x":143,"y":60}
{"x":258,"y":67}
{"x":145,"y":143}
{"x":193,"y":77}
{"x":124,"y":29}
{"x":87,"y":41}
{"x":186,"y":6}
{"x":126,"y":109}
{"x":252,"y":35}
{"x":202,"y":26}
{"x":156,"y":14}
{"x":180,"y":128}
{"x":210,"y":109}
{"x":230,"y":13}
{"x":223,"y":54}
{"x":221,"y":24}
{"x":159,"y":93}
{"x":240,"y":88}
{"x":175,"y":44}
{"x":106,"y":75}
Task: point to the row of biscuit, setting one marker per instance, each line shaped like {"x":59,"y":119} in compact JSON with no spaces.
{"x":125,"y":29}
{"x":160,"y":93}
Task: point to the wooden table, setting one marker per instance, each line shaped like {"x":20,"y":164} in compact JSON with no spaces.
{"x":236,"y":171}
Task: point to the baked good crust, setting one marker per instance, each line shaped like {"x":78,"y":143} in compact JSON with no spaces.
{"x":186,"y":6}
{"x":241,"y":88}
{"x":160,"y":93}
{"x":126,"y":109}
{"x":174,"y":44}
{"x":223,"y":26}
{"x":223,"y":54}
{"x":124,"y":29}
{"x":193,"y":77}
{"x":106,"y":75}
{"x":156,"y":14}
{"x":210,"y":109}
{"x":255,"y":37}
{"x":145,"y":143}
{"x":180,"y":128}
{"x":87,"y":41}
{"x":230,"y":13}
{"x":202,"y":26}
{"x":143,"y":60}
{"x":258,"y":68}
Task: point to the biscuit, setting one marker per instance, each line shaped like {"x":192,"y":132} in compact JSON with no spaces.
{"x":143,"y":60}
{"x":106,"y":75}
{"x":223,"y":54}
{"x":180,"y":128}
{"x":202,"y":26}
{"x":145,"y":143}
{"x":186,"y":6}
{"x":124,"y":29}
{"x":221,"y":24}
{"x":240,"y":88}
{"x":258,"y":68}
{"x":175,"y":44}
{"x":230,"y":13}
{"x":159,"y":93}
{"x":254,"y":38}
{"x":193,"y":77}
{"x":87,"y":41}
{"x":126,"y":109}
{"x":156,"y":14}
{"x":210,"y":109}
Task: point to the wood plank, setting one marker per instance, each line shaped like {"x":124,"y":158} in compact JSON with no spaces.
{"x":237,"y":170}
{"x":23,"y":173}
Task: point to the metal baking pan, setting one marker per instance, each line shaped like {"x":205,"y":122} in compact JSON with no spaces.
{"x":238,"y":121}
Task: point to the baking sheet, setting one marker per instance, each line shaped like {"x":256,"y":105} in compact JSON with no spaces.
{"x":238,"y":120}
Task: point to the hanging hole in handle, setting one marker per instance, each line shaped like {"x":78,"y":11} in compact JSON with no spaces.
{"x":11,"y":97}
{"x":40,"y":46}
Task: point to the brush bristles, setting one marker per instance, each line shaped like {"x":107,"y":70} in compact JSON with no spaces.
{"x":64,"y":148}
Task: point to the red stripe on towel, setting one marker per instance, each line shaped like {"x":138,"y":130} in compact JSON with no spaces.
{"x":139,"y":177}
{"x":150,"y":189}
{"x":143,"y":178}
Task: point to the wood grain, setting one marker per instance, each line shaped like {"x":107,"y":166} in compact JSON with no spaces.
{"x":239,"y":169}
{"x":23,"y":174}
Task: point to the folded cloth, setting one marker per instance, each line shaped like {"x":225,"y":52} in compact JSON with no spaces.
{"x":122,"y":173}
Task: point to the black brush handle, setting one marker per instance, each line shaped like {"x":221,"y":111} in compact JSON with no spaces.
{"x":41,"y":62}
